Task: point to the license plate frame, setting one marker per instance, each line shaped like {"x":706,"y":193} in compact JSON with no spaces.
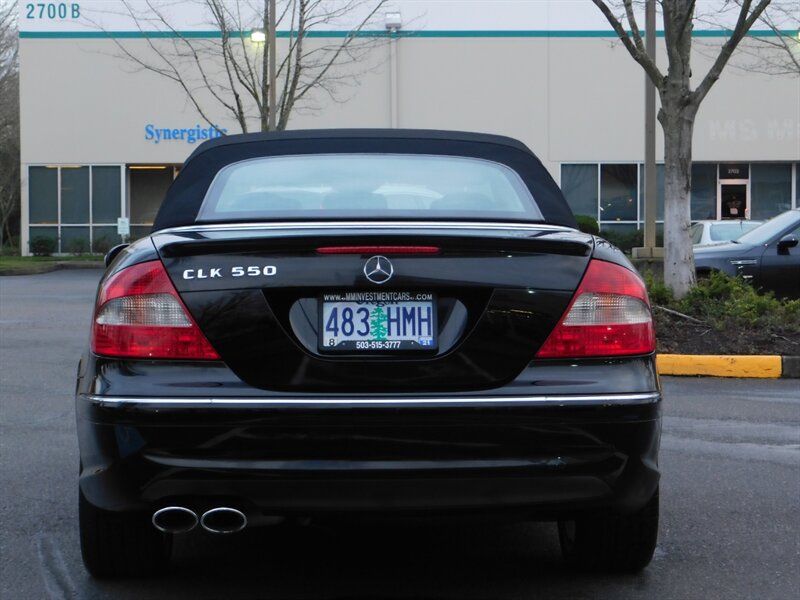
{"x":401,"y":310}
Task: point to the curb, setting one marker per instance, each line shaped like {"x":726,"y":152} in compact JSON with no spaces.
{"x":760,"y":367}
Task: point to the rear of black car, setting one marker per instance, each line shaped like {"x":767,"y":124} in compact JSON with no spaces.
{"x":388,"y":347}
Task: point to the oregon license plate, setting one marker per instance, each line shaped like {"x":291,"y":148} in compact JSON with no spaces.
{"x":369,"y":321}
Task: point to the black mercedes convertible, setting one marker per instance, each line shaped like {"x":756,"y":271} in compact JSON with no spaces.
{"x":363,"y":323}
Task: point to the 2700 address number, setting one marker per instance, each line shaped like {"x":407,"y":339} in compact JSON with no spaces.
{"x":53,"y":10}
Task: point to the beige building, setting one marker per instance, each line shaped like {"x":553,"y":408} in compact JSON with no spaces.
{"x":102,"y":139}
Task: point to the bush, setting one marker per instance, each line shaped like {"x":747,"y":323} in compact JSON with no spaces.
{"x":78,"y":246}
{"x":724,"y":300}
{"x":587,"y":224}
{"x":101,"y":245}
{"x":627,"y":240}
{"x":43,"y":245}
{"x":729,"y":302}
{"x":10,"y":246}
{"x":659,"y":293}
{"x":624,"y":240}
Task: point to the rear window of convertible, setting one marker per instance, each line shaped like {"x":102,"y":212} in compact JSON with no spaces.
{"x":367,"y":186}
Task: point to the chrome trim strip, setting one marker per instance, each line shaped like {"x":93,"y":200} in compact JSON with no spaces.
{"x":348,"y":402}
{"x":364,"y":224}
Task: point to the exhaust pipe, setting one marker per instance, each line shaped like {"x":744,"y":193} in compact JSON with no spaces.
{"x":174,"y":519}
{"x":223,"y":520}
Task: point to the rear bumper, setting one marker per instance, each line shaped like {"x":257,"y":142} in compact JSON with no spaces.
{"x":548,"y":455}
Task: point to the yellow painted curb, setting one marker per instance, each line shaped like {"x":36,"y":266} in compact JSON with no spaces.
{"x":762,"y":367}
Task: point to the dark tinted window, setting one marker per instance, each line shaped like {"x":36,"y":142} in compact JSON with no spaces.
{"x":704,"y":191}
{"x":579,"y":184}
{"x":74,"y":195}
{"x":618,"y":192}
{"x":43,"y":195}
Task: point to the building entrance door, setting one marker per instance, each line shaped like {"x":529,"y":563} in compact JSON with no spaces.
{"x":733,"y":193}
{"x":147,"y":185}
{"x":733,"y":202}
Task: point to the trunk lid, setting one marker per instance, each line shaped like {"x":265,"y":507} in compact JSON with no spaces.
{"x":257,"y":292}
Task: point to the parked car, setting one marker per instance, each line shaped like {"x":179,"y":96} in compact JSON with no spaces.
{"x":705,"y":233}
{"x":367,"y":322}
{"x":767,"y":256}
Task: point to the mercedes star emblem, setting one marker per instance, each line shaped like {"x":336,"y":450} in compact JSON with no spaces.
{"x":378,"y":269}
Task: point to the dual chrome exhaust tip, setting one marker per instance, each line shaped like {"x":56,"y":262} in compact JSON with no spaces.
{"x":179,"y":519}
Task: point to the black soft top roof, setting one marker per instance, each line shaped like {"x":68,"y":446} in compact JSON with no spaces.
{"x":183,"y":199}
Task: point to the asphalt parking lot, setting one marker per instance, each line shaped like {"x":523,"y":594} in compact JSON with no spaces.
{"x":730,"y":500}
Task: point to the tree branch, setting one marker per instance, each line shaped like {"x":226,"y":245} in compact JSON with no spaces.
{"x":225,"y":70}
{"x":743,"y":25}
{"x":634,"y":47}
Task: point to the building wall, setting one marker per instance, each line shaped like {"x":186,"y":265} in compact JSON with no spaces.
{"x":569,"y":99}
{"x":574,"y":96}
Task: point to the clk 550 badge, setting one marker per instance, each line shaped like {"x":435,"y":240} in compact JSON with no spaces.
{"x":216,"y":273}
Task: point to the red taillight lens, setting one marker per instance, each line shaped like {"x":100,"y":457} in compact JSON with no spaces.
{"x":140,"y":315}
{"x":609,"y":316}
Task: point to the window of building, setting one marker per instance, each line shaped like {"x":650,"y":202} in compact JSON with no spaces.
{"x":104,"y":238}
{"x":619,"y":185}
{"x":579,"y":184}
{"x":50,"y":233}
{"x":704,"y":191}
{"x":106,"y":192}
{"x":773,"y":188}
{"x":43,"y":194}
{"x":797,"y":185}
{"x":79,"y":204}
{"x":75,"y":239}
{"x":770,"y":189}
{"x":74,"y":194}
{"x":147,"y":185}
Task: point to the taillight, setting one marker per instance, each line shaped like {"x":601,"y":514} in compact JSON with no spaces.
{"x":140,"y":315}
{"x":378,"y":250}
{"x":609,"y":316}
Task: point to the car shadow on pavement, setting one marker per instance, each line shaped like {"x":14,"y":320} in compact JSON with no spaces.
{"x":367,"y":560}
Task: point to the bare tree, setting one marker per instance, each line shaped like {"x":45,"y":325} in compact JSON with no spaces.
{"x":679,"y":106}
{"x":777,"y":52}
{"x":229,"y":71}
{"x":8,"y":36}
{"x":9,"y":120}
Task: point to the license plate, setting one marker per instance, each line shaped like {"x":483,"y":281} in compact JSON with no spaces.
{"x":378,"y":321}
